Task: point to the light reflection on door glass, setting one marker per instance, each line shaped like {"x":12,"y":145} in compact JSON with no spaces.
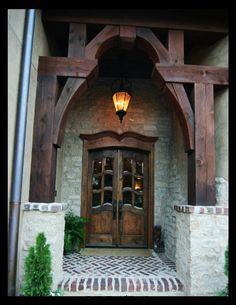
{"x":97,"y":166}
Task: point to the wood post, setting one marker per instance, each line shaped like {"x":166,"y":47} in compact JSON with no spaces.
{"x":43,"y":166}
{"x":201,"y":162}
{"x":77,"y":40}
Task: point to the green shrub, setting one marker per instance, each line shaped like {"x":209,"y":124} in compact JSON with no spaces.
{"x":37,"y":277}
{"x":74,"y":232}
{"x":225,"y":292}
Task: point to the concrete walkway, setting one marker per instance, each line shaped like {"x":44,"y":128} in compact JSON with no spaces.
{"x":110,"y":275}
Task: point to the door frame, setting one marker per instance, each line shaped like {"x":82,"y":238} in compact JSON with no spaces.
{"x":111,"y":139}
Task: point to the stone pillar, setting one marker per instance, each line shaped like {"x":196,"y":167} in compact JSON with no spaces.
{"x":201,"y":241}
{"x":49,"y":219}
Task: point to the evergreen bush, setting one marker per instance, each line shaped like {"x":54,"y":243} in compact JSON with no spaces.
{"x":37,"y":277}
{"x":225,"y":292}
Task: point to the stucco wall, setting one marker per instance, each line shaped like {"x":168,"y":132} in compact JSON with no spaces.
{"x":16,"y":19}
{"x":148,"y":114}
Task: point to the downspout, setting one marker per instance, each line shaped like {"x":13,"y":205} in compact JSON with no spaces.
{"x":19,"y":147}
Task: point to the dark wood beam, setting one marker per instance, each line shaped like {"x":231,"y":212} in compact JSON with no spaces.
{"x":176,"y":46}
{"x":127,"y":37}
{"x":178,"y":98}
{"x":201,"y":162}
{"x":72,"y":90}
{"x":152,"y":46}
{"x":103,"y":41}
{"x":64,"y":66}
{"x":193,"y":20}
{"x":43,"y":165}
{"x":77,"y":40}
{"x":193,"y":74}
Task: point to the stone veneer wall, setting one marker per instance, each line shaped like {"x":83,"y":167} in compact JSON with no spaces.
{"x":49,"y":219}
{"x":148,"y":114}
{"x":178,"y":192}
{"x":201,"y":241}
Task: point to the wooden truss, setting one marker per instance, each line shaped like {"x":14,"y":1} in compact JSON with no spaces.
{"x":169,"y":74}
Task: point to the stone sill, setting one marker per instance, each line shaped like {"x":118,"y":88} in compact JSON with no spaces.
{"x":189,"y":209}
{"x":44,"y":207}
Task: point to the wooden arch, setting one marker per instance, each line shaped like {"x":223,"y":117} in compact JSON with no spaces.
{"x":169,"y":74}
{"x":151,"y":45}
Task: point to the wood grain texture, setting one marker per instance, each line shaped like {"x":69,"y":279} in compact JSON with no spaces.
{"x":43,"y":166}
{"x":176,"y":46}
{"x":103,"y":41}
{"x":72,"y":90}
{"x":127,"y":37}
{"x":77,"y":40}
{"x":193,"y":74}
{"x":202,"y":160}
{"x":150,"y":44}
{"x":64,"y":66}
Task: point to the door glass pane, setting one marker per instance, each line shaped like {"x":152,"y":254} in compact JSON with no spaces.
{"x":139,"y":168}
{"x":97,"y":166}
{"x":96,"y":199}
{"x":127,"y":165}
{"x":108,"y":180}
{"x":107,"y":197}
{"x":127,"y":197}
{"x":127,"y":180}
{"x":138,"y":201}
{"x":109,"y":164}
{"x":138,"y":184}
{"x":97,"y":182}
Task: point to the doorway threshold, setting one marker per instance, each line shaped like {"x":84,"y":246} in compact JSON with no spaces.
{"x":115,"y":252}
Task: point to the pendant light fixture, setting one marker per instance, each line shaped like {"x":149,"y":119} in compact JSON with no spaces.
{"x":121,"y":93}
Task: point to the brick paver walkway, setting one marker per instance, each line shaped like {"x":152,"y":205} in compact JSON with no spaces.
{"x":119,"y":274}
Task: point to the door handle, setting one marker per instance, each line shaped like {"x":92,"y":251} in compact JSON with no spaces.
{"x":114,"y":208}
{"x":120,"y":208}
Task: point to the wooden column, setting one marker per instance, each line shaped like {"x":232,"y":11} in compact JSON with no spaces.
{"x":201,"y":162}
{"x":77,"y":40}
{"x":43,"y":166}
{"x":176,"y":46}
{"x":127,"y":37}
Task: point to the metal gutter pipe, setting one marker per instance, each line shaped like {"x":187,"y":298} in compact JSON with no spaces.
{"x":19,"y":147}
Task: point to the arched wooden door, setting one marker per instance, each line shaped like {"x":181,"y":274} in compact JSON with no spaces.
{"x":117,"y":198}
{"x":118,"y":189}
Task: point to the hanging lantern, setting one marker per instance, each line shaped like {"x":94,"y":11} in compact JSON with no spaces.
{"x":121,"y":98}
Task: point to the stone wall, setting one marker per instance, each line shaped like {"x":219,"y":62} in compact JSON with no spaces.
{"x":201,"y":241}
{"x":49,"y":219}
{"x":177,"y":187}
{"x":148,"y":114}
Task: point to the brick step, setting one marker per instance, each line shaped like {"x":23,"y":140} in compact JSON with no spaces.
{"x":116,"y":275}
{"x":116,"y":293}
{"x":121,"y":285}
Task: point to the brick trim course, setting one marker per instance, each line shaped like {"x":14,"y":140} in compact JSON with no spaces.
{"x":44,"y":207}
{"x":189,"y":209}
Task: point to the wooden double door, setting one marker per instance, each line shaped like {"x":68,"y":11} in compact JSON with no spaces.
{"x":117,"y":198}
